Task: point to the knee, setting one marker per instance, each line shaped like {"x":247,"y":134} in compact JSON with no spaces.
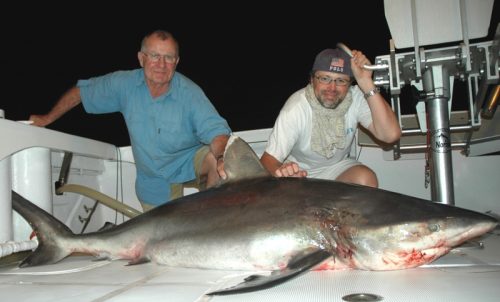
{"x":361,"y":175}
{"x":368,"y":178}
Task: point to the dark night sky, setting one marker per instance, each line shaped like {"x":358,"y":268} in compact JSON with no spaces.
{"x":248,"y":58}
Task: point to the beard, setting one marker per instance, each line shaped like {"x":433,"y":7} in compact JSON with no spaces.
{"x":330,"y":103}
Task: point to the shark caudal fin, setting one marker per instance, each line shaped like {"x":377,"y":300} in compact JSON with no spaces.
{"x":241,"y":162}
{"x":50,"y":232}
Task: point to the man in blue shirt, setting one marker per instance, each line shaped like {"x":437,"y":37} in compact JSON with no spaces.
{"x":176,"y":134}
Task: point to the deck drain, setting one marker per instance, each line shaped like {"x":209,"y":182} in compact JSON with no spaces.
{"x":362,"y":297}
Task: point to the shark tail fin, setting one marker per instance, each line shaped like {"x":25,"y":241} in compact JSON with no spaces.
{"x":51,"y":233}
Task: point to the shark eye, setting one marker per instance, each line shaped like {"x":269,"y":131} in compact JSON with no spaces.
{"x":434,"y":227}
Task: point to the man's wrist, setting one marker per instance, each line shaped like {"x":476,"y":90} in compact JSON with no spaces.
{"x":372,"y":92}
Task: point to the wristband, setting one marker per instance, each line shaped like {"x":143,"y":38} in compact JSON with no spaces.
{"x":372,"y":92}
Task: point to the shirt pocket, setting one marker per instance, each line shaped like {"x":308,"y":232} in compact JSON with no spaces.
{"x":175,"y":134}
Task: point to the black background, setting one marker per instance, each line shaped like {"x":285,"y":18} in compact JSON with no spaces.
{"x":248,"y":58}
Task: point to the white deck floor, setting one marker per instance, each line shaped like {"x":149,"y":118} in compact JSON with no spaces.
{"x":465,"y":274}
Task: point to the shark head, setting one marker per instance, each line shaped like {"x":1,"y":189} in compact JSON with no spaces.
{"x":415,"y":243}
{"x":407,"y":240}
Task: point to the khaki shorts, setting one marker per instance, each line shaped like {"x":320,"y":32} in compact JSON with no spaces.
{"x":177,"y":190}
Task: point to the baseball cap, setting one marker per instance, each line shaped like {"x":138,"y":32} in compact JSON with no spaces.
{"x":333,"y":60}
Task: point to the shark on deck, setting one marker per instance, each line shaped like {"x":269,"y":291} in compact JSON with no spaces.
{"x":258,"y":222}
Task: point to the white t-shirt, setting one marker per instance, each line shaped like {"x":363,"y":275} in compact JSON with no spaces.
{"x":290,"y":138}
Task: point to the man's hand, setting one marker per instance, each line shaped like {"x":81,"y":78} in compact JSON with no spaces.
{"x":39,"y":120}
{"x":220,"y":168}
{"x":290,"y":169}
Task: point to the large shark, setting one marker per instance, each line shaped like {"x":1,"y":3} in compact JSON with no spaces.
{"x":258,"y":222}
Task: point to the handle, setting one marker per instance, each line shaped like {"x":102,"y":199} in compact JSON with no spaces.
{"x":348,"y":51}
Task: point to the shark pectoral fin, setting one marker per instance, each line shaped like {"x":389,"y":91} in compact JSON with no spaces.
{"x":258,"y":282}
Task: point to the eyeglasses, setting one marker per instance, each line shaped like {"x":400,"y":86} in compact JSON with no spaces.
{"x":327,"y":80}
{"x":154,"y":57}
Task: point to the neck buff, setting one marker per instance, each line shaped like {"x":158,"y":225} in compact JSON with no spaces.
{"x":328,"y":129}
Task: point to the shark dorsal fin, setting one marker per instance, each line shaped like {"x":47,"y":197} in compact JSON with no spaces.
{"x":241,"y":162}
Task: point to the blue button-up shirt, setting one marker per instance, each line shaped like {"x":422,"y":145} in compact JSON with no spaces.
{"x":165,"y":132}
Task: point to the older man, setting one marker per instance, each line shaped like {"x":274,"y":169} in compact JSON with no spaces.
{"x":176,"y":134}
